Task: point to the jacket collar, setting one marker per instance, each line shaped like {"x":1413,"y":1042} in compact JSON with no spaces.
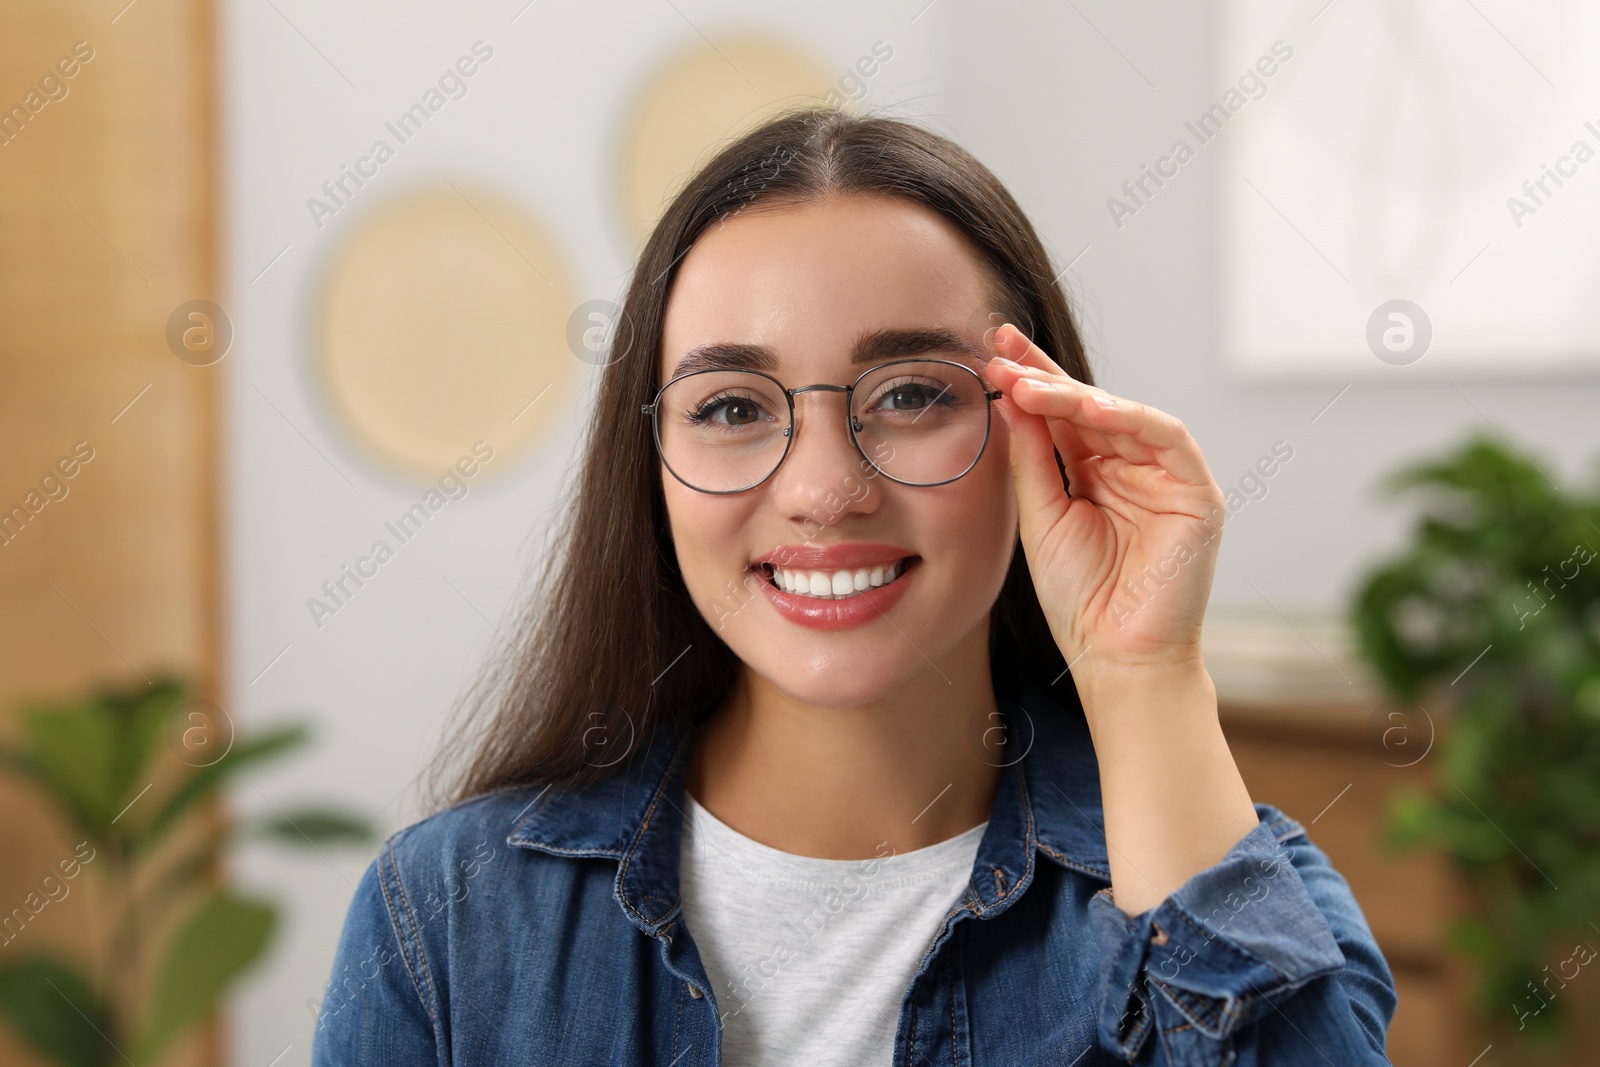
{"x":1047,"y":801}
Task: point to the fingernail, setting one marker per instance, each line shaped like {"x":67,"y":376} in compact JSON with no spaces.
{"x":1004,"y":362}
{"x":1105,"y":401}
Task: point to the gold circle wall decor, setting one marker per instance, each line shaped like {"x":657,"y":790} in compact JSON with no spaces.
{"x":442,"y":323}
{"x":698,"y":100}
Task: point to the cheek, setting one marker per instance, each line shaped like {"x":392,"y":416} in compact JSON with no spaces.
{"x":993,"y":486}
{"x":971,"y":526}
{"x":709,"y":535}
{"x":1000,"y":448}
{"x":988,"y":515}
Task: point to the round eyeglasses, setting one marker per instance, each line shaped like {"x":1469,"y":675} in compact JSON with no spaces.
{"x":915,"y":421}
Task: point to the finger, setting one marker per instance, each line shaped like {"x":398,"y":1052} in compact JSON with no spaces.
{"x":1009,"y":380}
{"x":1040,"y":496}
{"x":1107,"y":490}
{"x":1077,"y":452}
{"x":1136,"y":432}
{"x":1082,"y":464}
{"x":1011,"y":343}
{"x":1094,"y":440}
{"x":1071,"y":443}
{"x":1007,"y":376}
{"x":1111,"y":483}
{"x":1176,"y":451}
{"x":1152,"y":489}
{"x":1062,"y":398}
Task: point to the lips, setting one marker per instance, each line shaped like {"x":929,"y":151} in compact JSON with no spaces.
{"x":858,"y":609}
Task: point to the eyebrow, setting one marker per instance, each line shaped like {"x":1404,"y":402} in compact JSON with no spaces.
{"x":873,"y":347}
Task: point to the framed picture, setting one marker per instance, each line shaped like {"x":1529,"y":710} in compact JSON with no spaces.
{"x":1406,"y":187}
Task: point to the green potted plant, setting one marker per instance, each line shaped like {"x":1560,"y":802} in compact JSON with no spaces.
{"x":1490,"y":621}
{"x":176,"y":935}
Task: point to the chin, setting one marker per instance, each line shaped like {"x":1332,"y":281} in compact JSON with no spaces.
{"x":827,"y":694}
{"x":861,"y":676}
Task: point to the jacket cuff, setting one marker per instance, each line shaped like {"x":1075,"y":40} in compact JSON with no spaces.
{"x":1208,"y":958}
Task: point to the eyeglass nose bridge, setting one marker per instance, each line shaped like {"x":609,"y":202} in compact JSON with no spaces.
{"x":823,"y":387}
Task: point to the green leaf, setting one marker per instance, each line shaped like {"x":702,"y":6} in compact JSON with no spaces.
{"x":63,"y":792}
{"x":304,"y":826}
{"x":218,"y":941}
{"x":1497,"y":560}
{"x":139,"y":715}
{"x":1409,"y":821}
{"x":92,"y":754}
{"x":72,"y":748}
{"x":204,"y":781}
{"x":50,"y":1003}
{"x":1472,"y":936}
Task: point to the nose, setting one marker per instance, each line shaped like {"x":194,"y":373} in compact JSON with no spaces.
{"x":823,"y":478}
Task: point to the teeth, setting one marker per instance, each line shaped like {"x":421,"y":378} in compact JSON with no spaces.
{"x":834,"y":585}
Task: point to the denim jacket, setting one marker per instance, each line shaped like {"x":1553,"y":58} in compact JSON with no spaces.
{"x":536,"y":926}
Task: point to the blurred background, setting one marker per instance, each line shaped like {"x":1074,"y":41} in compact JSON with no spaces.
{"x":302,"y":307}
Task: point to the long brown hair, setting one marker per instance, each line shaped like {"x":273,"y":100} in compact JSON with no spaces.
{"x":614,"y":646}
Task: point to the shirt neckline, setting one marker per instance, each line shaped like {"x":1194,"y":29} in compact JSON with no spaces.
{"x":935,"y":862}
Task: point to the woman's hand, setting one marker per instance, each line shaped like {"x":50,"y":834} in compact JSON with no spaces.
{"x":1123,"y":569}
{"x":1123,"y":566}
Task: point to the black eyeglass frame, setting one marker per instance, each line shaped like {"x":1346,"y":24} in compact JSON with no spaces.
{"x":651,"y":409}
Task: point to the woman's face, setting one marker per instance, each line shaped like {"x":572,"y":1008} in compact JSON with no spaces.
{"x":808,"y":285}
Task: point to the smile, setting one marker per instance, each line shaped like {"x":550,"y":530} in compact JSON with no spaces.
{"x":835,"y":585}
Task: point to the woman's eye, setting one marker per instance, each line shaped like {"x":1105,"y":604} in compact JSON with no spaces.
{"x":731,"y":411}
{"x":910,"y":396}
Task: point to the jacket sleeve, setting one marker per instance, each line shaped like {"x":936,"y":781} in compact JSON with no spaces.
{"x":379,"y":1006}
{"x":1263,"y":959}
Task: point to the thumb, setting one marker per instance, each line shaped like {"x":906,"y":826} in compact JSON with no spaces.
{"x":1041,"y":498}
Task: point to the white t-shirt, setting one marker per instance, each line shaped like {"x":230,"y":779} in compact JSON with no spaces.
{"x":809,"y":958}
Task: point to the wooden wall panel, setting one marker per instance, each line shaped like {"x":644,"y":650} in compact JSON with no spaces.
{"x":107,"y":223}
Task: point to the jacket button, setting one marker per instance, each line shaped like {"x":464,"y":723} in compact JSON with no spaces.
{"x":694,"y":991}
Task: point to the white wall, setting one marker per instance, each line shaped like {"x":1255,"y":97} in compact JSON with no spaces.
{"x":1038,"y":91}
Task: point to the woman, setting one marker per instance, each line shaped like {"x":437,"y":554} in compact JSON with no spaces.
{"x":857,"y":725}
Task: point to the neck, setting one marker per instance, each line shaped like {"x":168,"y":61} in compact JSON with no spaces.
{"x":836,"y":782}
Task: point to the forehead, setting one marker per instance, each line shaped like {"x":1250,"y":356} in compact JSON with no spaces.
{"x":810,"y":281}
